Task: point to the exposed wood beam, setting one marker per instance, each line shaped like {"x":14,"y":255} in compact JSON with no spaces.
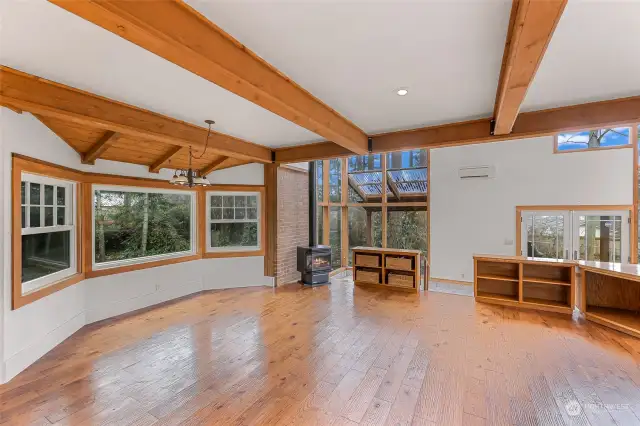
{"x":531,"y":27}
{"x":12,"y":108}
{"x":98,"y":148}
{"x":50,"y":99}
{"x":212,"y":166}
{"x":173,"y":30}
{"x":593,"y":115}
{"x":44,"y":121}
{"x":164,"y":159}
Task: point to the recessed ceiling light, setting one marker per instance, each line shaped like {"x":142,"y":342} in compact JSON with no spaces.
{"x":402,"y":92}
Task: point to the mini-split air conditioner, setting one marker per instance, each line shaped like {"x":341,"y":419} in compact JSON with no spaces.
{"x":477,"y":172}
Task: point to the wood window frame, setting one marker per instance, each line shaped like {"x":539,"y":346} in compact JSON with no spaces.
{"x":604,"y":148}
{"x":19,"y":166}
{"x":326,"y":205}
{"x":206,"y":254}
{"x":84,"y":223}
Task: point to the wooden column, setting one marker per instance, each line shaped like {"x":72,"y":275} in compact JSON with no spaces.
{"x":383,"y":162}
{"x":271,"y":210}
{"x":344,"y":233}
{"x":368,"y":229}
{"x":325,"y":200}
{"x":633,"y":232}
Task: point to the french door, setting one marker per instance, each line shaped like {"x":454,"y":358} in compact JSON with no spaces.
{"x":576,"y":235}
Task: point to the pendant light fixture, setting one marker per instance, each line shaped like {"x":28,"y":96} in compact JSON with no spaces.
{"x":190,"y":177}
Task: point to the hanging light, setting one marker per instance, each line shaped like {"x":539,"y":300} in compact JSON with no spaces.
{"x":192,"y":177}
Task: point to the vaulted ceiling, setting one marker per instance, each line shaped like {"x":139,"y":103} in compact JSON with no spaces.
{"x":350,"y":57}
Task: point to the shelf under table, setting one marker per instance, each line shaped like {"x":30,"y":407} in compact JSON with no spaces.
{"x":620,"y":319}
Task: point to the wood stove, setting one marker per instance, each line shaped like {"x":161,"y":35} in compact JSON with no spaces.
{"x":314,"y":261}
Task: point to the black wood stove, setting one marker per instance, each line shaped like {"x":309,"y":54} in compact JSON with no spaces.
{"x":314,"y":261}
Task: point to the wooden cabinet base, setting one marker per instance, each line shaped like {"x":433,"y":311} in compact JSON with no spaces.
{"x":385,"y":286}
{"x":393,"y":269}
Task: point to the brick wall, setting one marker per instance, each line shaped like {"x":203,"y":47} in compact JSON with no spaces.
{"x":293,"y":221}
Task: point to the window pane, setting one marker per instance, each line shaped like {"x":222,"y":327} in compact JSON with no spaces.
{"x":365,"y":179}
{"x":45,"y":254}
{"x":252,"y":201}
{"x":414,"y":158}
{"x":130,"y":225}
{"x":591,"y":139}
{"x":244,"y":234}
{"x":545,"y":236}
{"x":335,"y":180}
{"x":48,"y":195}
{"x":227,"y":214}
{"x":23,"y":195}
{"x":48,"y":216}
{"x":407,"y":228}
{"x":34,"y":217}
{"x":335,"y":231}
{"x":319,"y":223}
{"x":61,"y":216}
{"x":407,"y":176}
{"x":34,"y":191}
{"x":365,"y":228}
{"x":600,"y":238}
{"x":61,"y":196}
{"x":252,"y":213}
{"x":216,"y":213}
{"x":319,"y":182}
{"x":241,"y":201}
{"x":216,"y":201}
{"x":227,"y":201}
{"x":241,"y":213}
{"x":24,"y":217}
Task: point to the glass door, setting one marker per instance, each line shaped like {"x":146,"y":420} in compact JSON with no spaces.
{"x":601,"y":236}
{"x":546,"y":234}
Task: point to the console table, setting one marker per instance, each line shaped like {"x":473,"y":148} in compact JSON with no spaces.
{"x":610,"y":295}
{"x":395,"y":269}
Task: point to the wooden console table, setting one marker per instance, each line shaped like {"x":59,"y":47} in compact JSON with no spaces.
{"x":610,"y":295}
{"x":395,"y":269}
{"x":533,"y":283}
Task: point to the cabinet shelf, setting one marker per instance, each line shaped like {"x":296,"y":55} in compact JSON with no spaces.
{"x":498,"y":278}
{"x":496,"y":296}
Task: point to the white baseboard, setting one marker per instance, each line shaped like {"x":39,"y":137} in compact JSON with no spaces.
{"x":43,"y":344}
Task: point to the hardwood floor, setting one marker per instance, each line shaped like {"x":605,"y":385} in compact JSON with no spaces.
{"x":332,"y":356}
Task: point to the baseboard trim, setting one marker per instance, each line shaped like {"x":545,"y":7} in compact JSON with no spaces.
{"x":447,"y":281}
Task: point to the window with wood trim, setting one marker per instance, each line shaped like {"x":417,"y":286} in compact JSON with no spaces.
{"x":233,"y":221}
{"x":140,"y":225}
{"x":48,"y":225}
{"x":618,"y":137}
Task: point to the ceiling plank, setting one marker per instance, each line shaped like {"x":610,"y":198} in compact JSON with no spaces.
{"x":603,"y":114}
{"x":213,"y":166}
{"x":46,"y":122}
{"x":98,"y":148}
{"x":164,"y":159}
{"x":531,"y":27}
{"x":50,"y":99}
{"x":176,"y":32}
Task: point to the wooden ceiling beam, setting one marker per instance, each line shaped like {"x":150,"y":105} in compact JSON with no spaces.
{"x":44,"y":121}
{"x":176,"y":32}
{"x":49,"y":99}
{"x":164,"y":159}
{"x":99,"y":148}
{"x":213,"y":166}
{"x":531,"y":27}
{"x":595,"y":115}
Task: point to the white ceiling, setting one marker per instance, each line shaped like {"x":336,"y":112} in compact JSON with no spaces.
{"x":594,"y":55}
{"x":39,"y":38}
{"x":353,"y":55}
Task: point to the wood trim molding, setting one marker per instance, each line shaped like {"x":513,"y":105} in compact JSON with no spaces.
{"x":531,"y":27}
{"x":611,"y":113}
{"x":634,"y":214}
{"x":270,"y":220}
{"x":50,"y":99}
{"x":138,"y":266}
{"x":178,"y":33}
{"x":164,"y":159}
{"x":99,"y":148}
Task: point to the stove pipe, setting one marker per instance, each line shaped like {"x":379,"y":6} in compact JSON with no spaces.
{"x":312,"y":204}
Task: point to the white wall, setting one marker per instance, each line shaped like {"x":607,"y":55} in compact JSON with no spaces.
{"x":33,"y":330}
{"x":477,"y":216}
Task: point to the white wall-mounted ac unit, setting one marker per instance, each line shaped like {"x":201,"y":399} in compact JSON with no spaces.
{"x":477,"y":172}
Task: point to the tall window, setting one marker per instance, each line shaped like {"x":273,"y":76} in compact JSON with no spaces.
{"x":137,"y":225}
{"x":48,"y":231}
{"x":592,"y":139}
{"x":233,"y":221}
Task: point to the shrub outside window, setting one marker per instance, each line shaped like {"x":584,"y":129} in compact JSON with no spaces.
{"x":233,"y":221}
{"x":48,"y":231}
{"x":139,"y":225}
